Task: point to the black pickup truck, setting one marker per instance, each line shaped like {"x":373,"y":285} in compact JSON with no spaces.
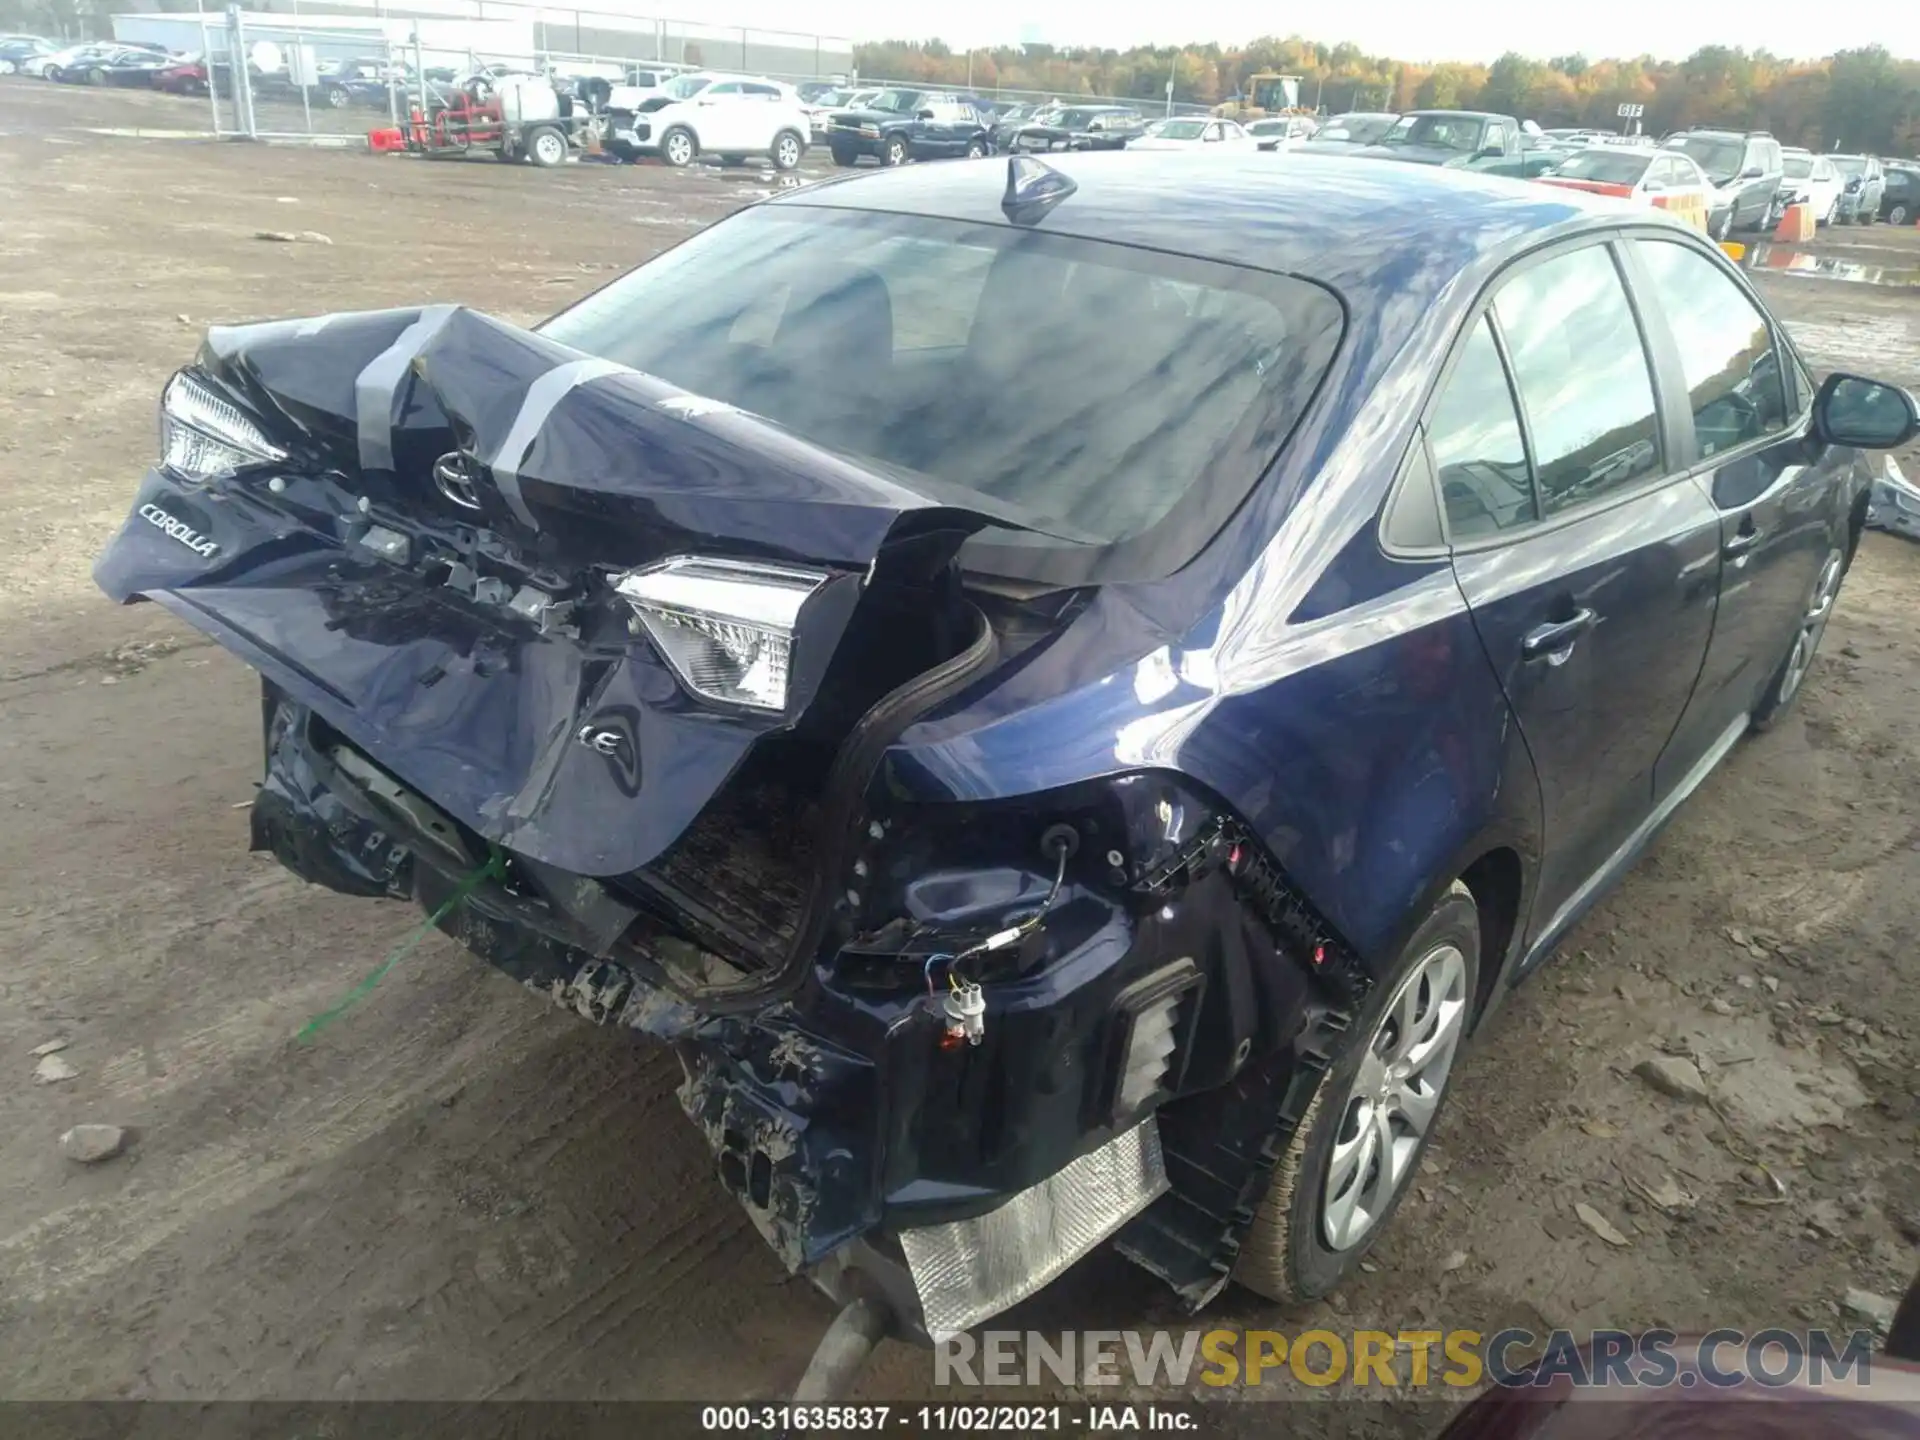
{"x":903,"y":125}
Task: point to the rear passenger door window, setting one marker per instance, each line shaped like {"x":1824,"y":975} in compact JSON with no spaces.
{"x":1474,"y":438}
{"x":1734,"y":378}
{"x":1581,"y":371}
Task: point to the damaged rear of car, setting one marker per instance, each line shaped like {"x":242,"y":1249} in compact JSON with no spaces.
{"x":599,"y":642}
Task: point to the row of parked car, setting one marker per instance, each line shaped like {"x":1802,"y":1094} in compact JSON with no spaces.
{"x":1727,"y":180}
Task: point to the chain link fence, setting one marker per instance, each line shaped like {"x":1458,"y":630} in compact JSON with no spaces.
{"x":330,"y":72}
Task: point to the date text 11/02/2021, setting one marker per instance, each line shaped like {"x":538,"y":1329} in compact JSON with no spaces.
{"x":931,"y":1419}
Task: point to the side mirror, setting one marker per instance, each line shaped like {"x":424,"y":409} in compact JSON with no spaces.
{"x":1653,"y":187}
{"x":923,"y":114}
{"x":1752,"y":172}
{"x":1865,"y":414}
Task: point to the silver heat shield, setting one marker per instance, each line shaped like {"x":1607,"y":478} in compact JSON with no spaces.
{"x":968,"y":1270}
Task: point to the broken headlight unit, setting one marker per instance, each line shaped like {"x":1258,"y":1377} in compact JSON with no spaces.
{"x":724,"y":626}
{"x":205,"y":436}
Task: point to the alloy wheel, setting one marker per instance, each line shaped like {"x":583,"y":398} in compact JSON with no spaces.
{"x":786,"y":153}
{"x":1393,"y":1097}
{"x":679,"y":150}
{"x":1813,"y":624}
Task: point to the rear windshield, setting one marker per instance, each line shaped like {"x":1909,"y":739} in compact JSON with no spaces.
{"x":1179,"y":129}
{"x":1119,"y":400}
{"x":1719,"y":158}
{"x":1363,"y":129}
{"x":1605,"y":167}
{"x":1851,"y":164}
{"x":1797,"y":167}
{"x":1447,"y":132}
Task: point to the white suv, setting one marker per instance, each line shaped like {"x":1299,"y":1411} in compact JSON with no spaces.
{"x":733,"y":117}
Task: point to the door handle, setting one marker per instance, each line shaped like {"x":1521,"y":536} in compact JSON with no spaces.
{"x":1553,"y":642}
{"x":1740,"y":544}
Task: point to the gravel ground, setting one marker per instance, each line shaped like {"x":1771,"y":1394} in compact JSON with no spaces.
{"x":460,"y":1193}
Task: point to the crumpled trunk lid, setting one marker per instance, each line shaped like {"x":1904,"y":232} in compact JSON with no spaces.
{"x":511,"y":465}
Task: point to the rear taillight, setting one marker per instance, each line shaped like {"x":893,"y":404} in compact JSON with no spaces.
{"x":726,"y":627}
{"x":204,"y":435}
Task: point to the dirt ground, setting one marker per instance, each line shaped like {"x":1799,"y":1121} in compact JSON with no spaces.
{"x":457,"y":1192}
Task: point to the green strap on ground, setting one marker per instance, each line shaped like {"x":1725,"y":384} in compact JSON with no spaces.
{"x":494,"y":869}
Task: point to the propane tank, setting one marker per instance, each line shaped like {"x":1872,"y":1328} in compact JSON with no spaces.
{"x":525,"y":99}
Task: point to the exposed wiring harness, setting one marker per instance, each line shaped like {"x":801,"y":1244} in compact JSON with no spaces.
{"x":964,"y":1005}
{"x":1014,"y":934}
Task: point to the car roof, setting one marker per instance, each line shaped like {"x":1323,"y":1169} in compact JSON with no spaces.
{"x":1342,"y":221}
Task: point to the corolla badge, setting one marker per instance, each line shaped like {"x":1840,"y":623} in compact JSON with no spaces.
{"x":180,"y":530}
{"x":453,"y":474}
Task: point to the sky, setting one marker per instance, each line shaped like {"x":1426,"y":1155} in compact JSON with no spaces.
{"x":1419,"y":30}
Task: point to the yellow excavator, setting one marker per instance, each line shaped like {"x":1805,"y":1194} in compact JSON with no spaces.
{"x":1265,"y":94}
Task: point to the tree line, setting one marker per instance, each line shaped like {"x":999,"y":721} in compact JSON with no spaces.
{"x":1861,"y":99}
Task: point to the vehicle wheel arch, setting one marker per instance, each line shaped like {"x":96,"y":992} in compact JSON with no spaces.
{"x":1497,"y":879}
{"x":1857,"y":520}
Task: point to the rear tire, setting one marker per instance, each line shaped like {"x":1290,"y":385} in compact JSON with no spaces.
{"x":1790,"y":679}
{"x":96,"y":76}
{"x":788,"y":148}
{"x":1898,"y":215}
{"x":678,"y":147}
{"x":336,"y":98}
{"x":1290,"y":1253}
{"x":545,"y":146}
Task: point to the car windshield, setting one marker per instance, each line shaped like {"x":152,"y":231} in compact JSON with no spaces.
{"x":1179,"y":129}
{"x":1071,"y":386}
{"x":685,"y":87}
{"x":1445,"y":132}
{"x":1719,"y":158}
{"x":896,"y":102}
{"x":1605,"y":167}
{"x":1797,"y":167}
{"x":1850,"y":164}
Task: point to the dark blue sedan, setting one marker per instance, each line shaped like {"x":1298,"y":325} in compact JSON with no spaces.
{"x":1066,"y":691}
